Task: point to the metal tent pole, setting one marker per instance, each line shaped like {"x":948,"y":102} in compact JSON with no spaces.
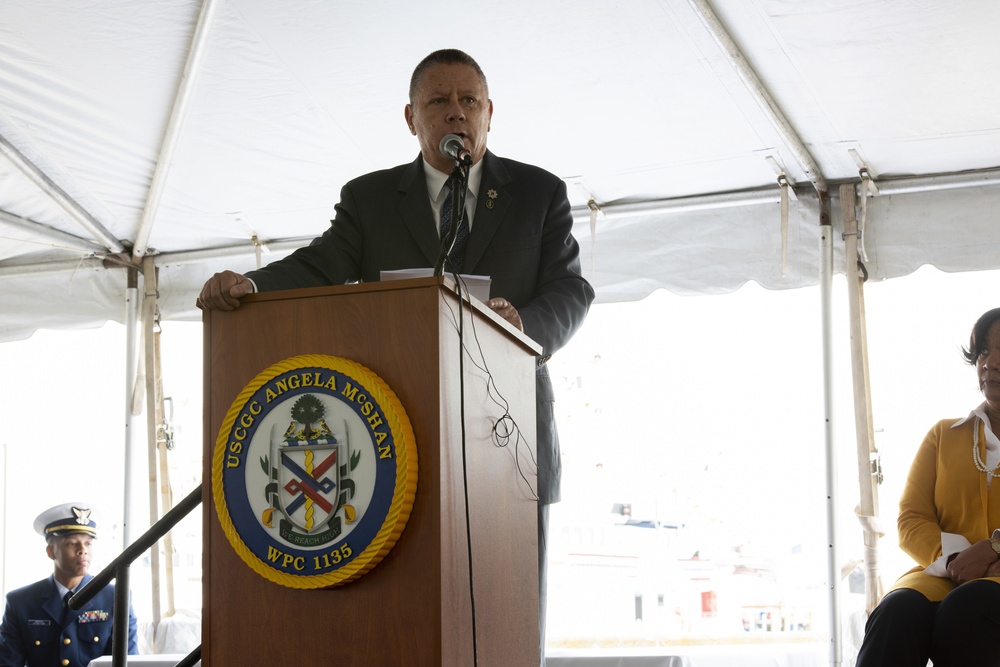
{"x":833,"y":567}
{"x":152,"y":387}
{"x":131,"y":345}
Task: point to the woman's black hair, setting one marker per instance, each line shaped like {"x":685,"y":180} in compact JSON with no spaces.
{"x":977,"y":340}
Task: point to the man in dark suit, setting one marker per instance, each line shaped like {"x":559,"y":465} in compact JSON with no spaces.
{"x":519,"y":234}
{"x":39,"y":629}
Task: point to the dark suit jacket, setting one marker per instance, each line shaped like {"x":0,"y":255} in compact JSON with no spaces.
{"x":38,"y":631}
{"x":523,"y":240}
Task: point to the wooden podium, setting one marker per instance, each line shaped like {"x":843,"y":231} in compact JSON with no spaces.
{"x":415,"y":607}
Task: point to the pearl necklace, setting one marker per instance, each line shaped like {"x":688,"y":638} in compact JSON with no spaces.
{"x":976,"y":458}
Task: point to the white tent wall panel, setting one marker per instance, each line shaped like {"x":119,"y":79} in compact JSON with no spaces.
{"x":955,"y":230}
{"x":83,"y":297}
{"x":694,"y":252}
{"x":701,"y":252}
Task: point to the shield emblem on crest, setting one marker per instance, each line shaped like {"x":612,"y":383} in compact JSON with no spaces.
{"x":309,"y":482}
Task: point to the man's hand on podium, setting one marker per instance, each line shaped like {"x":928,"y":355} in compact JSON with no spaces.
{"x":504,"y":309}
{"x":224,"y":290}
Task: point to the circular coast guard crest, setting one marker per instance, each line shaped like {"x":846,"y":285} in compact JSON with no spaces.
{"x":314,"y":471}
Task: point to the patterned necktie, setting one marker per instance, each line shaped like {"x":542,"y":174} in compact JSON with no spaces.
{"x":457,"y":255}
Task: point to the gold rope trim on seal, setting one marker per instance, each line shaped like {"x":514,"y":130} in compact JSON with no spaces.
{"x":404,"y":490}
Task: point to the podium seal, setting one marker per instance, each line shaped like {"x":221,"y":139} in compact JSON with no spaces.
{"x":314,"y":472}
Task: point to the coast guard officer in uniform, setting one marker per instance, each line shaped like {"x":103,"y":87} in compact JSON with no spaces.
{"x":39,"y":629}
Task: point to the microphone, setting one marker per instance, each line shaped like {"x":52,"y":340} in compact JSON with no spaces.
{"x":453,"y":147}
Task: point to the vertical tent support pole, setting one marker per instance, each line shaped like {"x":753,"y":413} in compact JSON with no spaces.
{"x":833,"y":567}
{"x":131,"y":327}
{"x":153,"y":411}
{"x":166,"y":490}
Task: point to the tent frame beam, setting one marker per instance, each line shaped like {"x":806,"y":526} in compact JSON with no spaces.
{"x":171,"y":135}
{"x":50,"y":236}
{"x":75,"y":210}
{"x":760,"y":93}
{"x":581,"y":215}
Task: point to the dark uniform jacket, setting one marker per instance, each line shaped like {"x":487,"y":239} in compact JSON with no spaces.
{"x":38,"y":630}
{"x":521,"y":238}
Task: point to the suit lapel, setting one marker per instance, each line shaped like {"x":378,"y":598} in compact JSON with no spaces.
{"x":52,"y":604}
{"x":61,"y":613}
{"x":492,"y":201}
{"x":415,"y":210}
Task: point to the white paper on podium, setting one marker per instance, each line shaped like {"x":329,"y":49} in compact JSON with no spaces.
{"x":477,"y":286}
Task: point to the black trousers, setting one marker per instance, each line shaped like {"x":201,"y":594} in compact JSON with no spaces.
{"x":962,"y":630}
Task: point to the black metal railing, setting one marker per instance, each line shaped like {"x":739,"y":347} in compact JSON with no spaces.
{"x":118,"y":571}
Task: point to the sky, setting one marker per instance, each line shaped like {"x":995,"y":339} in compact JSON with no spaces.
{"x":702,"y":411}
{"x":716,"y":401}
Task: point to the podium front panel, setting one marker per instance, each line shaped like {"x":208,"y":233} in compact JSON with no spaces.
{"x":415,"y":606}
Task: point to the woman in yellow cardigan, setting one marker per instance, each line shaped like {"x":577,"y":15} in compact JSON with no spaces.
{"x":947,"y":609}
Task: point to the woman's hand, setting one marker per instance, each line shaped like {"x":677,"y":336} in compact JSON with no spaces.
{"x":973,"y":562}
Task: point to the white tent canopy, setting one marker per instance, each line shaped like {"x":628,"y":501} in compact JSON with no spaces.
{"x":189,"y":132}
{"x":704,"y":142}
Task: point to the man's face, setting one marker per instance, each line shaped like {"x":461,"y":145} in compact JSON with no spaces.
{"x":71,"y":554}
{"x":449,"y":99}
